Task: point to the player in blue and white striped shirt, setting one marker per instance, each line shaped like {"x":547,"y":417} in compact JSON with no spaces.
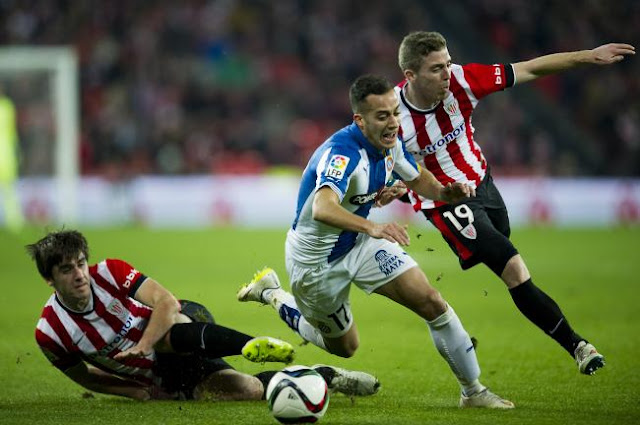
{"x":332,"y":243}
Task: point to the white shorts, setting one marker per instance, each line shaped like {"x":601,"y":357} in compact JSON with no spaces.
{"x":322,"y":290}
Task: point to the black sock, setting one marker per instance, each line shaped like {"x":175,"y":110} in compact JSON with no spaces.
{"x":207,"y":338}
{"x":265,"y":377}
{"x":540,"y":309}
{"x":327,"y":373}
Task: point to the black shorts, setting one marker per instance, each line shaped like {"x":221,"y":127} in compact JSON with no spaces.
{"x":181,"y":373}
{"x":477,"y":229}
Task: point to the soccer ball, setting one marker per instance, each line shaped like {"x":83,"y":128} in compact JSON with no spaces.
{"x":297,"y":394}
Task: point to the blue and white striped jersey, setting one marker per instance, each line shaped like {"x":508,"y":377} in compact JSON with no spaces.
{"x":355,"y":170}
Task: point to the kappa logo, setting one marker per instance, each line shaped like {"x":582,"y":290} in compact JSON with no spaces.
{"x":409,"y":138}
{"x":83,"y":336}
{"x":337,"y":166}
{"x":387,"y":262}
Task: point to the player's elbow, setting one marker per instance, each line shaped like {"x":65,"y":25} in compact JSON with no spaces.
{"x":319,"y":212}
{"x":325,"y":206}
{"x":169,"y":304}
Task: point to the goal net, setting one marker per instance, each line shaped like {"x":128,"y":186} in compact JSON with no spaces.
{"x":43,"y":84}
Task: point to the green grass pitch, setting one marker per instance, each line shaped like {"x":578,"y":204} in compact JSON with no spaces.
{"x":592,"y":274}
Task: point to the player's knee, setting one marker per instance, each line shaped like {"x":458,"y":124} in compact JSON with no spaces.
{"x":515,"y":272}
{"x":255,"y":391}
{"x":497,"y":255}
{"x":344,"y":348}
{"x":247,"y":388}
{"x":229,"y":385}
{"x":433,"y":297}
{"x":196,"y":311}
{"x":430,"y":304}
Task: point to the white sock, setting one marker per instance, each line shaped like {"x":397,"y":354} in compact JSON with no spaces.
{"x":284,"y":303}
{"x":455,"y":346}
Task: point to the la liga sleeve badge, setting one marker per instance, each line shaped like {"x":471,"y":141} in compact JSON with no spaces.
{"x":337,"y":166}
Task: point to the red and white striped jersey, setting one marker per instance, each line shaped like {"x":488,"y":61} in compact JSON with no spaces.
{"x":114,"y":324}
{"x":441,"y":139}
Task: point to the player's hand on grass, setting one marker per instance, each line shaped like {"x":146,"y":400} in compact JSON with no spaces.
{"x":392,"y":232}
{"x":456,"y":192}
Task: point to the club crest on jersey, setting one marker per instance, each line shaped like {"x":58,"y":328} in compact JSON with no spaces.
{"x":337,"y":166}
{"x":116,"y":308}
{"x":388,"y":163}
{"x":388,"y":167}
{"x":469,"y":231}
{"x":452,"y":108}
{"x":387,"y":262}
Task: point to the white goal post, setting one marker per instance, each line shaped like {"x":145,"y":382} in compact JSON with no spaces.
{"x":62,"y":65}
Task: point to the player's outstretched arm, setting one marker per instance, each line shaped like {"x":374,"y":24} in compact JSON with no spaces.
{"x":327,"y":209}
{"x":557,"y":62}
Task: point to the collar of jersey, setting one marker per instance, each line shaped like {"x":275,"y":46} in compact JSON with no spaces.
{"x":411,"y":106}
{"x":86,"y":311}
{"x":365,"y":143}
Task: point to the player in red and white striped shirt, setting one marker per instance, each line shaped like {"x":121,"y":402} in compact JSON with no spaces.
{"x":437,"y":99}
{"x":116,"y":331}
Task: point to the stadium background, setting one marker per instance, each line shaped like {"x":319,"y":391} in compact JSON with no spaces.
{"x":180,"y":94}
{"x":227,"y":86}
{"x":246,"y":88}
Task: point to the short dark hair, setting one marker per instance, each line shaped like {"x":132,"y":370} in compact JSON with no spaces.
{"x":365,"y":85}
{"x":416,"y":46}
{"x":56,"y":247}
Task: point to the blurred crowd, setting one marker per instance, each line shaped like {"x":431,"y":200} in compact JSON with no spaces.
{"x":603,"y":102}
{"x":232,"y":86}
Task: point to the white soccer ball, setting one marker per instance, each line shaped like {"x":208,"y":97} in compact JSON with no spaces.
{"x":297,"y":394}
